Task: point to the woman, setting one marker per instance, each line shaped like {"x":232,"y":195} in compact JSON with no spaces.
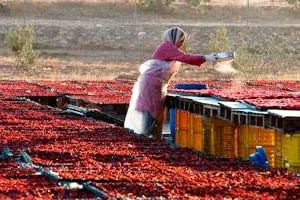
{"x":146,"y":108}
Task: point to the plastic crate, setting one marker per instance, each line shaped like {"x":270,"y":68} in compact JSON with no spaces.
{"x":266,"y":136}
{"x":190,"y":86}
{"x":173,"y":100}
{"x":246,"y":141}
{"x":256,"y":136}
{"x":220,"y":138}
{"x":182,"y":128}
{"x":230,"y":147}
{"x":225,"y":138}
{"x":208,"y":136}
{"x":196,"y":132}
{"x":291,"y":152}
{"x":278,"y":149}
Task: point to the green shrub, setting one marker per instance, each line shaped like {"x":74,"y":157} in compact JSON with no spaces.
{"x":294,"y":2}
{"x":4,"y":8}
{"x":155,"y":4}
{"x":219,"y":41}
{"x":2,"y":4}
{"x":247,"y":63}
{"x":20,"y":40}
{"x":196,"y":3}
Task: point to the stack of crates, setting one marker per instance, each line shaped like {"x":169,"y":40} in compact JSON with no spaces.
{"x":232,"y":129}
{"x":202,"y":131}
{"x":189,"y":130}
{"x":288,"y":151}
{"x":290,"y":157}
{"x":183,"y":137}
{"x":278,"y":149}
{"x":182,"y":128}
{"x":208,"y":136}
{"x":287,"y":125}
{"x":220,"y":138}
{"x":195,"y":135}
{"x":202,"y":108}
{"x":183,"y":118}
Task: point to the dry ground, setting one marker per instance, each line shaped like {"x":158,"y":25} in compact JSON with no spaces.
{"x":106,"y":62}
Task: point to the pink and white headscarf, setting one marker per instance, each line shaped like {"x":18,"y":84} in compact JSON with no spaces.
{"x":174,"y":35}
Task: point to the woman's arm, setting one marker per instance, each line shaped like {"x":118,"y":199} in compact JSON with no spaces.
{"x":169,"y":52}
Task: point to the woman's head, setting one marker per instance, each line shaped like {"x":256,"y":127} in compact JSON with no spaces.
{"x":175,"y":35}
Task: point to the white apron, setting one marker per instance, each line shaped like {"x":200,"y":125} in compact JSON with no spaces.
{"x":148,"y":95}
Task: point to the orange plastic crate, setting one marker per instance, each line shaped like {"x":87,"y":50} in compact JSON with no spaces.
{"x":196,"y":133}
{"x":182,"y":128}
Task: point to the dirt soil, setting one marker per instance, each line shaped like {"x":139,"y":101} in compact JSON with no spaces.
{"x":109,"y":39}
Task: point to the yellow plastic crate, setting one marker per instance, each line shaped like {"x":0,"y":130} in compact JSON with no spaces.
{"x":278,"y":149}
{"x":266,"y":136}
{"x":195,"y":138}
{"x":246,"y":141}
{"x":291,"y":151}
{"x":182,"y":128}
